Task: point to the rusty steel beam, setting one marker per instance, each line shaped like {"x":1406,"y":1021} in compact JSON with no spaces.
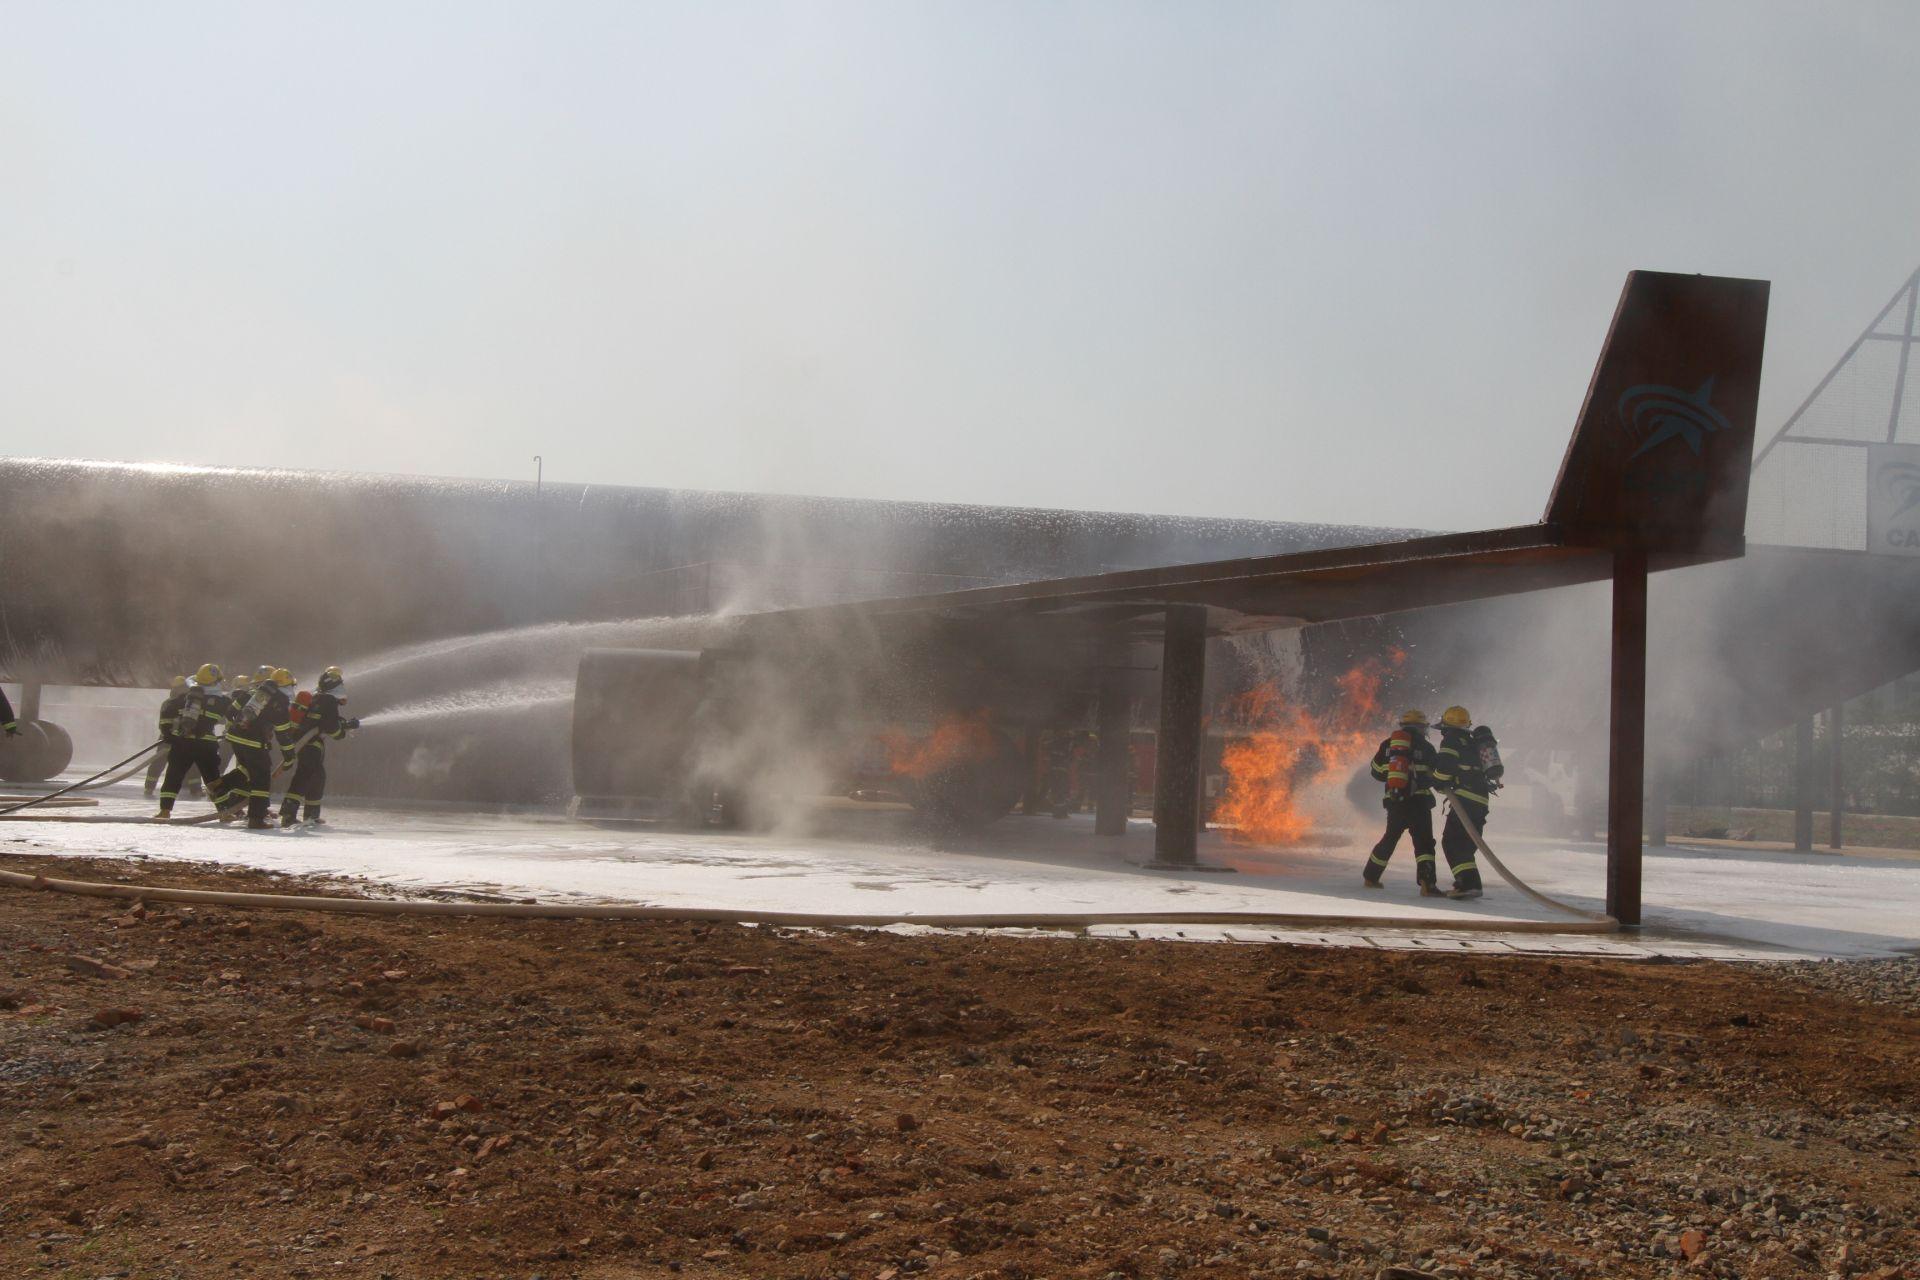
{"x":1803,"y":784}
{"x":1836,"y":775}
{"x":1033,"y":798}
{"x":1183,"y":674}
{"x":1659,"y":800}
{"x":1627,"y":737}
{"x":1113,"y":781}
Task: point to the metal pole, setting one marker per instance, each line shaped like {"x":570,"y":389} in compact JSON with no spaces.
{"x":1627,"y":737}
{"x":539,"y":473}
{"x":29,"y":708}
{"x":1906,"y":350}
{"x":1803,"y":785}
{"x":1033,"y":799}
{"x":1660,"y":796}
{"x":1836,"y":783}
{"x":1113,"y":796}
{"x":1183,"y":671}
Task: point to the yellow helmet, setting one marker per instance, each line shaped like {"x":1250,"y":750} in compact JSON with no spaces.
{"x":283,"y":678}
{"x":242,"y":681}
{"x":1413,"y":718}
{"x":208,"y":674}
{"x":177,"y":683}
{"x":1457,"y":717}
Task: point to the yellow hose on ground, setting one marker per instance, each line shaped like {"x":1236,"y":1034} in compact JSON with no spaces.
{"x":119,"y":818}
{"x":1473,"y":829}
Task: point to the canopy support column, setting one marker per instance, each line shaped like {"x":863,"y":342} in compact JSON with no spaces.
{"x":1183,"y":674}
{"x":1113,"y":778}
{"x":1836,"y":782}
{"x":1034,"y":798}
{"x":1627,"y":737}
{"x":1803,"y":785}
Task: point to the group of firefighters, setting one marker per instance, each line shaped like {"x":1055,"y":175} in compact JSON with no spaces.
{"x":1467,"y":765}
{"x":253,"y":718}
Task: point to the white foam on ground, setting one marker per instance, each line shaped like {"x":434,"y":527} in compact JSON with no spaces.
{"x":1698,"y":901}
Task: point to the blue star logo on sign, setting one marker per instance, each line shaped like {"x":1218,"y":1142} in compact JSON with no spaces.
{"x":1661,"y":414}
{"x":1901,"y":483}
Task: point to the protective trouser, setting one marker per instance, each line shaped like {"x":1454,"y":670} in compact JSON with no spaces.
{"x":1458,"y":845}
{"x":184,"y":754}
{"x":157,"y":767}
{"x":251,"y":778}
{"x":309,"y":785}
{"x":1414,"y":816}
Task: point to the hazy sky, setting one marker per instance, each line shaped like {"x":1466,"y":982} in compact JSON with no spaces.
{"x":1346,"y":262}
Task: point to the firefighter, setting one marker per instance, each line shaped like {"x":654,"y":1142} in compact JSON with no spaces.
{"x":190,"y":745}
{"x":235,"y":698}
{"x":319,"y":721}
{"x":169,"y":710}
{"x":1404,"y":764}
{"x":262,"y":675}
{"x":255,"y":723}
{"x":1467,"y":764}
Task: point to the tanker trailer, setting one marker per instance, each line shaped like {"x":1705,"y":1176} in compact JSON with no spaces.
{"x":746,"y":737}
{"x":38,"y":749}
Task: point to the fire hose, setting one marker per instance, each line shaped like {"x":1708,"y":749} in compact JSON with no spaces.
{"x":139,"y":763}
{"x":127,"y":768}
{"x":1472,"y":828}
{"x":293,"y":749}
{"x":95,"y":783}
{"x":139,"y":755}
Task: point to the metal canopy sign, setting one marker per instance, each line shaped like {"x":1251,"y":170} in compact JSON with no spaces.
{"x":1893,"y":499}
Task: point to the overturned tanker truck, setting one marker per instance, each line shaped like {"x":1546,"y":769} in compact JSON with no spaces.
{"x":460,"y":608}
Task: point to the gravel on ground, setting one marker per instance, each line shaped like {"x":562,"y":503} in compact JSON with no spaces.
{"x":200,"y":1092}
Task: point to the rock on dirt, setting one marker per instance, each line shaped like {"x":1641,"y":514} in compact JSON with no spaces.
{"x":93,"y":968}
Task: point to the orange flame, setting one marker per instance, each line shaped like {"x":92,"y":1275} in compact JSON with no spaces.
{"x":1282,"y":749}
{"x":958,"y":740}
